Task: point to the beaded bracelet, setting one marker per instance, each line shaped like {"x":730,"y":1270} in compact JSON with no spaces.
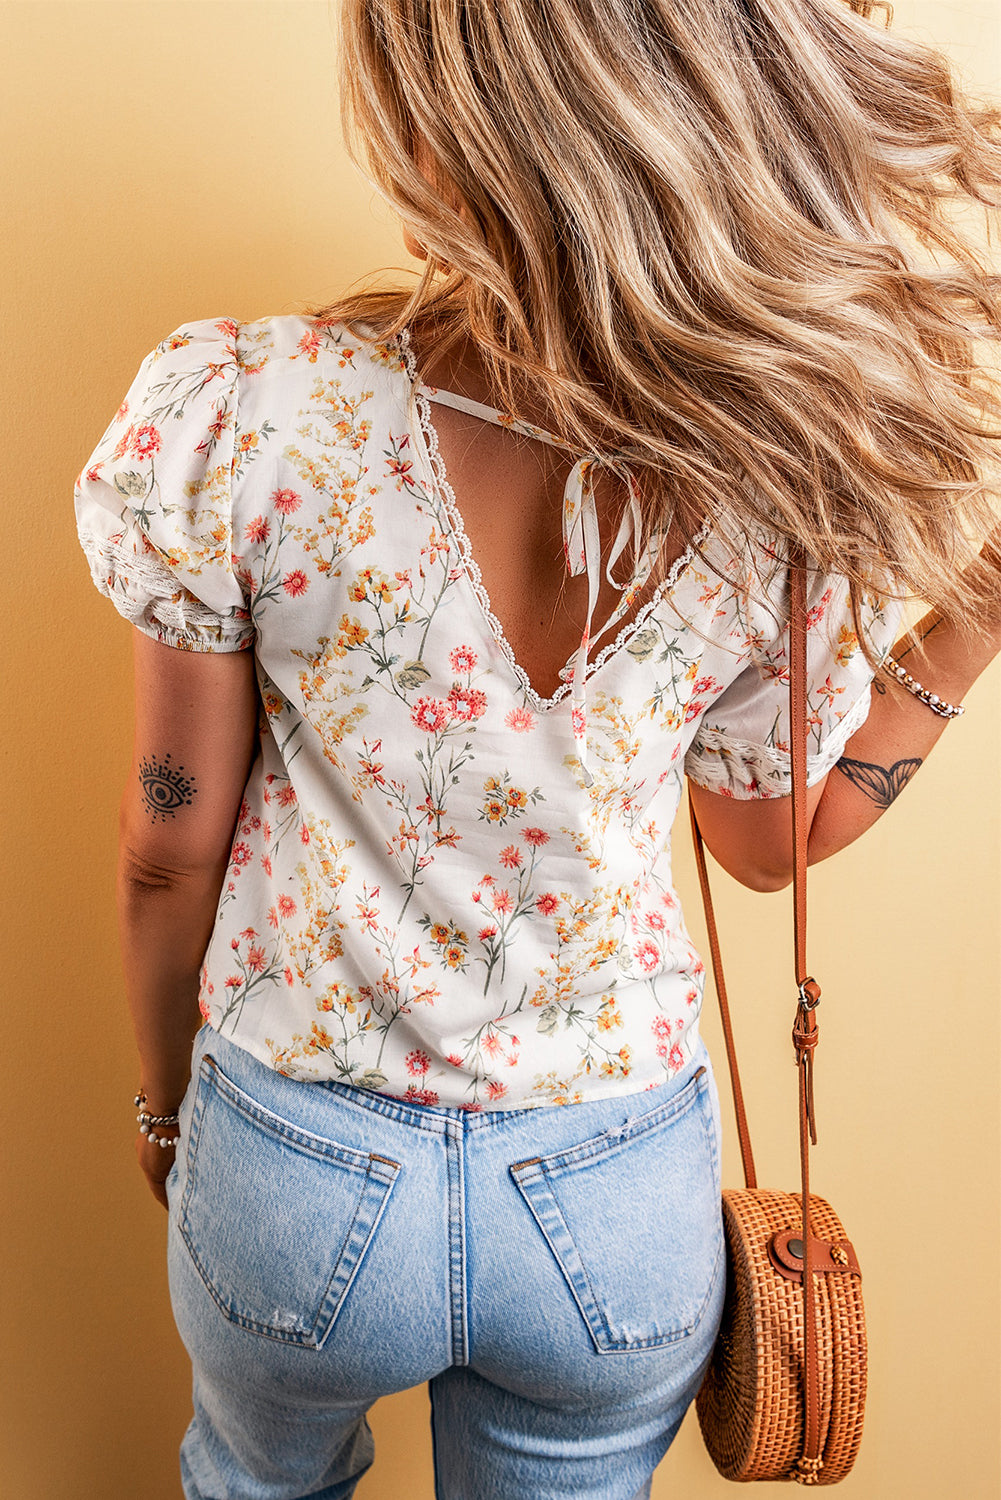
{"x":930,"y":700}
{"x":148,"y":1121}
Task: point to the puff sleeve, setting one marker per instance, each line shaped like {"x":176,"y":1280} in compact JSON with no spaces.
{"x":741,"y":745}
{"x":154,"y":501}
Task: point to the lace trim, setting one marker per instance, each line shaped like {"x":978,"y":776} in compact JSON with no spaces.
{"x":453,"y":516}
{"x":715,"y":758}
{"x":161,"y":599}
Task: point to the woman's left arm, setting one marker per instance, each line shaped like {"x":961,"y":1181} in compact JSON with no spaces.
{"x":195,"y":741}
{"x":753,"y":840}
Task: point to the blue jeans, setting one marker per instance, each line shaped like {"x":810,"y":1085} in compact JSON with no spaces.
{"x":555,"y":1274}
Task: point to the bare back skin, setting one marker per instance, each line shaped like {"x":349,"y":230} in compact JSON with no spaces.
{"x":509,"y":491}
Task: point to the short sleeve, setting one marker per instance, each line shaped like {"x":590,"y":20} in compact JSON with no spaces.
{"x":741,"y":745}
{"x":154,"y":503}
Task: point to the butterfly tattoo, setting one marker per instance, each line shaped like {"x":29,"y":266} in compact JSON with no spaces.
{"x":880,"y":785}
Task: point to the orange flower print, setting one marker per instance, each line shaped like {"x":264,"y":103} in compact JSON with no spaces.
{"x":496,"y":1090}
{"x":454,"y":1059}
{"x":256,"y":959}
{"x":535,"y":836}
{"x":510,"y":857}
{"x":847,"y":647}
{"x":485,"y":933}
{"x":502,"y":901}
{"x":122,"y":412}
{"x":295,"y":583}
{"x":547,"y":903}
{"x":521,"y":720}
{"x":286,"y":905}
{"x":287,"y":502}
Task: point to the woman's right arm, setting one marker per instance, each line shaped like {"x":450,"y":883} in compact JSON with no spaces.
{"x":753,"y":840}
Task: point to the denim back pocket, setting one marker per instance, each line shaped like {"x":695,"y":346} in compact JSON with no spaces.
{"x":633,"y":1218}
{"x":276,"y":1220}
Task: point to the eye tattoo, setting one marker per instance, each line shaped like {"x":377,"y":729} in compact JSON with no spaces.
{"x":165,"y":788}
{"x":880,"y":785}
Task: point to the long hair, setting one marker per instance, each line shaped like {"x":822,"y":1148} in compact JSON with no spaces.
{"x":719,"y":235}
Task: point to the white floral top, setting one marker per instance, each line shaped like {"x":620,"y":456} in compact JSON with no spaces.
{"x":441,"y":886}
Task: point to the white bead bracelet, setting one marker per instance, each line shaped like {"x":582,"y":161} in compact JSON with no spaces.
{"x":931,"y":700}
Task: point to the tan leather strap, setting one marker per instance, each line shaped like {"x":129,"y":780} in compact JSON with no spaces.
{"x":743,"y":1133}
{"x":805,"y":1032}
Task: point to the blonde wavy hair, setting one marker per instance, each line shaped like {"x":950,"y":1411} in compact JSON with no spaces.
{"x":719,"y":235}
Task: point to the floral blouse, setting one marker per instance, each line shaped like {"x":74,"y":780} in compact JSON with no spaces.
{"x":441,"y":886}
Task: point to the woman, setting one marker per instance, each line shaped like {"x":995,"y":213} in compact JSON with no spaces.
{"x":439,"y":596}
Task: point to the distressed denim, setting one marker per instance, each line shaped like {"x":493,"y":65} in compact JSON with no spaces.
{"x":556,"y":1275}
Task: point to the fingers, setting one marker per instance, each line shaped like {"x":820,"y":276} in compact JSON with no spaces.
{"x":155,"y":1163}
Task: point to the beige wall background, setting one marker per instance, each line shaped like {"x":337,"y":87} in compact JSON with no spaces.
{"x":170,"y":161}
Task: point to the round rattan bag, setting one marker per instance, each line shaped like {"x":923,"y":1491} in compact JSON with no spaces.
{"x":751,"y":1405}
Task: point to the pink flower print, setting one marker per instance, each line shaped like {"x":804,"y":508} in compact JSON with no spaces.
{"x":521,"y":720}
{"x":535,"y":836}
{"x":414,"y":1095}
{"x":486,"y":934}
{"x":286,"y":501}
{"x":477,"y":895}
{"x":429,"y":714}
{"x":218,"y":426}
{"x":248,"y":934}
{"x":295,"y":583}
{"x":241,"y":854}
{"x":124,"y":442}
{"x":463,"y":659}
{"x":289,"y":976}
{"x":227,"y":327}
{"x":578,"y":720}
{"x":547,"y":903}
{"x":232,"y":981}
{"x":695,"y":707}
{"x":203,"y":1008}
{"x":417,"y":1063}
{"x":491,"y":1043}
{"x":273,"y":916}
{"x":286,"y":796}
{"x":304,"y":834}
{"x":816,"y":614}
{"x":286,"y":905}
{"x":510,"y":857}
{"x":266,"y":863}
{"x":661,"y":1028}
{"x":94,"y":471}
{"x":122,"y":412}
{"x":502,"y":901}
{"x":496,"y":1090}
{"x":655,"y":919}
{"x":309,"y":345}
{"x":647,"y":956}
{"x":256,"y":959}
{"x":257,"y":530}
{"x":467,"y":703}
{"x":705,"y":685}
{"x":454,"y":1059}
{"x":146,"y":441}
{"x":675,"y":1058}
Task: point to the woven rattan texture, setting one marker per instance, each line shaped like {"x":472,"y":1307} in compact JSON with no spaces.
{"x":751,"y":1405}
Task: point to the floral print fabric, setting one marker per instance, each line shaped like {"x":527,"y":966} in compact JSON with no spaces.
{"x":425,"y":897}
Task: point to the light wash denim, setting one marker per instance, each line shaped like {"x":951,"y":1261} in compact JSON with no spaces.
{"x":556,"y":1275}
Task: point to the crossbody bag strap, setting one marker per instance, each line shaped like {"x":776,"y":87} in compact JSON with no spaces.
{"x":805,"y":1033}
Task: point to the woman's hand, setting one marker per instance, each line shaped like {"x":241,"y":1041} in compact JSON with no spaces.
{"x":156,"y":1163}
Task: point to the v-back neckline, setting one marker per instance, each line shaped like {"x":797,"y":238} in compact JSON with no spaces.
{"x":425,"y":436}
